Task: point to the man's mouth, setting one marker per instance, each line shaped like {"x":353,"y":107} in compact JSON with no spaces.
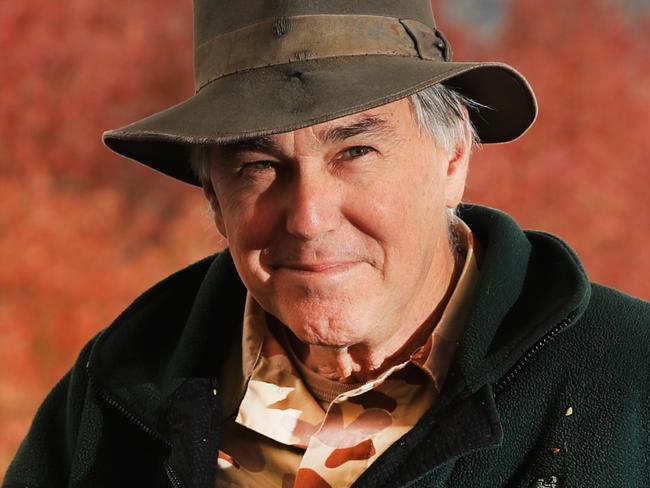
{"x":318,"y":267}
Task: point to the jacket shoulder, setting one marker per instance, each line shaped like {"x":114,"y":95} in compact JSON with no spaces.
{"x":613,"y":307}
{"x":615,"y":329}
{"x":44,"y":456}
{"x":184,"y":282}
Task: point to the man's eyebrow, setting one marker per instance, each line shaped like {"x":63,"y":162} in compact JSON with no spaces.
{"x":261,"y":144}
{"x":370,"y":124}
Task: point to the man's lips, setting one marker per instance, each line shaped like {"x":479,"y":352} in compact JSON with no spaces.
{"x":321,"y":267}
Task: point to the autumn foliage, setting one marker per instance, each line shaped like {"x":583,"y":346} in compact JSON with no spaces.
{"x":84,"y":231}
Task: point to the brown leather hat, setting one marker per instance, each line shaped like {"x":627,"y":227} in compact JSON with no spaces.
{"x":269,"y":66}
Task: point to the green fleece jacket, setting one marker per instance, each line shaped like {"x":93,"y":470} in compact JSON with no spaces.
{"x":549,"y":387}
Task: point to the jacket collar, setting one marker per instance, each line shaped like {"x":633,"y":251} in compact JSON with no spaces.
{"x":180,"y":328}
{"x":530,"y":282}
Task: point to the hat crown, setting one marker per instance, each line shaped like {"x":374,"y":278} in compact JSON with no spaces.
{"x":215,"y":17}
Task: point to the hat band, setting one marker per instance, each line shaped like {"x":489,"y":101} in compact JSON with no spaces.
{"x":289,"y":39}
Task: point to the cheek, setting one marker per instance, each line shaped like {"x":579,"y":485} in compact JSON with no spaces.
{"x":250,"y":225}
{"x":247,"y":219}
{"x":405,"y":202}
{"x":405,"y":216}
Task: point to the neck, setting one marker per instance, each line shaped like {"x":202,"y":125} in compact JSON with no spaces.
{"x":363,"y":362}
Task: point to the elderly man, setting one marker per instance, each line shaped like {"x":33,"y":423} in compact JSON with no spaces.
{"x":362,"y":328}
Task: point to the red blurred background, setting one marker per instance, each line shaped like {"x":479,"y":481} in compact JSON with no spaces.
{"x":83,"y":231}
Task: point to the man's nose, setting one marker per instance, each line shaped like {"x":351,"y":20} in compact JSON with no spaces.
{"x":313,"y":207}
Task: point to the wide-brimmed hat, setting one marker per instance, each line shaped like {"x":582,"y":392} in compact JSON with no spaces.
{"x":263,"y":67}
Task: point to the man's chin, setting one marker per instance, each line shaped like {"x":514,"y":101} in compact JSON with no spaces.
{"x":326,"y":330}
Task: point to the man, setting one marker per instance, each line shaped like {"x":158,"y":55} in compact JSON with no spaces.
{"x":362,"y":328}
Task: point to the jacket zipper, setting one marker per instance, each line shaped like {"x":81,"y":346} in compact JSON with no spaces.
{"x":168,"y":469}
{"x":172,"y":476}
{"x":549,"y":336}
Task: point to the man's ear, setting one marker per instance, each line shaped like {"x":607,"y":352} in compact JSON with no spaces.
{"x":217,"y":214}
{"x":458,"y":167}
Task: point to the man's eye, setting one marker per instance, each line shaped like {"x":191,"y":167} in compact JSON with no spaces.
{"x":358,"y":151}
{"x":257,"y":166}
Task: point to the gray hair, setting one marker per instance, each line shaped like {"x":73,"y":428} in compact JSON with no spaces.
{"x":442,"y":112}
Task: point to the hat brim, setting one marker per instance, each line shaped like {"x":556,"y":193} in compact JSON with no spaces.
{"x":287,"y":97}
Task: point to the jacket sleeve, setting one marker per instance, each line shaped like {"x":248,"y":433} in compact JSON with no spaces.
{"x":44,"y":457}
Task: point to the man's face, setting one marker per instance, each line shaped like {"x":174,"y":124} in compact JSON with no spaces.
{"x":339,"y":229}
